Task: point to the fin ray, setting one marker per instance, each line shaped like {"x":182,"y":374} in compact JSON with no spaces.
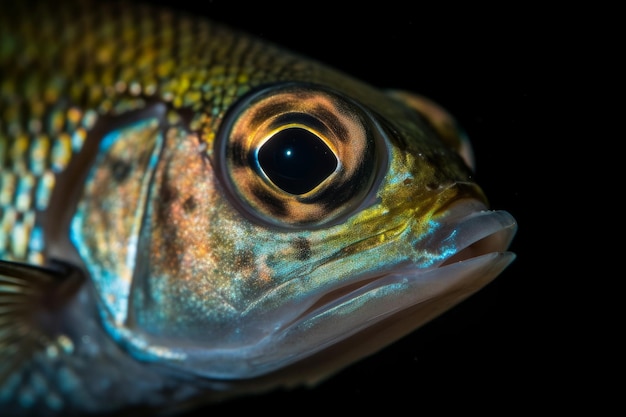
{"x":26,"y":292}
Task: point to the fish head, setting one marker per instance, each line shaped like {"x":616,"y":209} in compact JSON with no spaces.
{"x":313,"y":213}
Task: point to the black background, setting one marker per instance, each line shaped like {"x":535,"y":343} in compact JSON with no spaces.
{"x":492,"y":69}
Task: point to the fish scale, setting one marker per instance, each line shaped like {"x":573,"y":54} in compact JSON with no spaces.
{"x":110,"y":66}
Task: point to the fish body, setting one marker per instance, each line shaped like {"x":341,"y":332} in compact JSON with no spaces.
{"x":188,"y":213}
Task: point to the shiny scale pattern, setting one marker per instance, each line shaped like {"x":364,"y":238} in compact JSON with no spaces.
{"x":45,"y":118}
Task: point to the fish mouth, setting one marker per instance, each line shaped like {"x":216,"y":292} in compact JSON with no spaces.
{"x":391,"y":304}
{"x":374,"y":309}
{"x":481,"y":240}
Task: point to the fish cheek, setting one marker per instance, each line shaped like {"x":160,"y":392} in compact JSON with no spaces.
{"x":185,"y":287}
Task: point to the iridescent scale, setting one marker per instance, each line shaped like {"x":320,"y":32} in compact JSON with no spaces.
{"x":52,"y":93}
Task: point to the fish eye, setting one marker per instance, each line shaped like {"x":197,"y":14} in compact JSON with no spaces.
{"x":296,"y":160}
{"x":299,"y":156}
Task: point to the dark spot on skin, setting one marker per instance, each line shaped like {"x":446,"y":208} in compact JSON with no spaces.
{"x":189,"y":204}
{"x":120,"y":170}
{"x":169,"y":248}
{"x":303,"y":248}
{"x":168,"y":194}
{"x":244,"y":260}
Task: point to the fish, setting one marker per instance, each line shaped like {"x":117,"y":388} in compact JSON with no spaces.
{"x":190,"y":213}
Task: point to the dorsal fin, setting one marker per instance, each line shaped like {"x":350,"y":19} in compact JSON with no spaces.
{"x":30,"y":299}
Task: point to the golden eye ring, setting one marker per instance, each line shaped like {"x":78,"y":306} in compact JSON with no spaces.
{"x":298,"y":156}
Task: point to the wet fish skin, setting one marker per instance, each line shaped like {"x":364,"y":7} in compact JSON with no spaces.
{"x":206,"y":286}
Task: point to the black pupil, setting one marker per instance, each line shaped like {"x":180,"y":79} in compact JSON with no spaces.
{"x":296,"y":160}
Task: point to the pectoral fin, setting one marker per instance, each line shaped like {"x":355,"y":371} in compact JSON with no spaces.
{"x":31,"y":298}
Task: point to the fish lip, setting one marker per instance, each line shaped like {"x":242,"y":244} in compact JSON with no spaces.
{"x":487,"y":233}
{"x":481,"y":232}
